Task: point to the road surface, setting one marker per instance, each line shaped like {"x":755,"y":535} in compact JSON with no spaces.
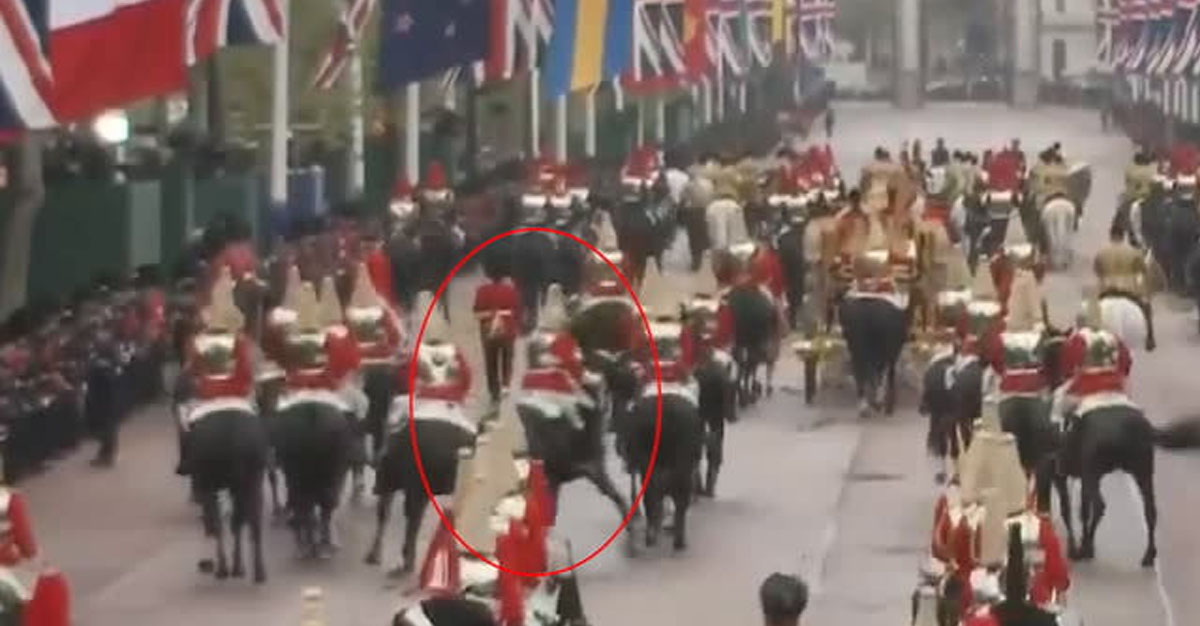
{"x":846,"y":503}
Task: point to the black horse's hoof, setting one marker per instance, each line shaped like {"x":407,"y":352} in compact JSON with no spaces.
{"x":260,"y":577}
{"x":372,"y":558}
{"x":680,"y":545}
{"x":206,"y":566}
{"x":221,"y":573}
{"x":1150,"y":557}
{"x":238,"y":572}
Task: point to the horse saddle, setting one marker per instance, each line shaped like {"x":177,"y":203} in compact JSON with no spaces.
{"x":427,"y":410}
{"x":688,"y":391}
{"x":190,"y":413}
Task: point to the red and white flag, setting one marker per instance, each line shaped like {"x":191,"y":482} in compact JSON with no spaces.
{"x":353,"y":18}
{"x":107,"y":53}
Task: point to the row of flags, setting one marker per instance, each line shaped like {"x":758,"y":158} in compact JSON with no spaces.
{"x":1149,"y":37}
{"x":641,"y":45}
{"x":63,"y":61}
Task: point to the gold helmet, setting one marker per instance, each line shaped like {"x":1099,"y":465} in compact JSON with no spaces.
{"x":308,"y":318}
{"x":291,"y":288}
{"x":222,"y":314}
{"x":329,"y":306}
{"x":364,"y":295}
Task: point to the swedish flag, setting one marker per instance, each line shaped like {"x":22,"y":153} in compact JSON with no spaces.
{"x":592,"y":42}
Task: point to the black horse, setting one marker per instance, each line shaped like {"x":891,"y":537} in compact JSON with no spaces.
{"x":718,"y":404}
{"x":645,"y":226}
{"x":875,"y":331}
{"x":756,"y":331}
{"x":937,"y":403}
{"x":439,"y":442}
{"x":227,"y":451}
{"x":314,"y":441}
{"x":679,"y":451}
{"x":790,"y":246}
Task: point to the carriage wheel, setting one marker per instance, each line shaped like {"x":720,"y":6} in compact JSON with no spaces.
{"x":810,"y":379}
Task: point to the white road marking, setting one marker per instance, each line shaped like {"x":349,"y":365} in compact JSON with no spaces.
{"x":1159,"y":585}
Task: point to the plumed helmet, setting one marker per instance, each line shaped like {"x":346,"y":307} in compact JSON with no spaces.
{"x":553,"y":315}
{"x":222,"y":314}
{"x":403,"y":189}
{"x":307,"y":309}
{"x":655,"y":294}
{"x":982,"y":287}
{"x":329,"y":307}
{"x":291,"y":288}
{"x":435,"y":177}
{"x":1024,"y":303}
{"x":706,"y":277}
{"x":364,"y":295}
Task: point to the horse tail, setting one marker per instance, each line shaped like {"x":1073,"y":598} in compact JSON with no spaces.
{"x":1182,"y":434}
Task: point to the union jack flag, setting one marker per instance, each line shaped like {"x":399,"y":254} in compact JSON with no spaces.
{"x":353,"y":18}
{"x":26,"y":79}
{"x":215,"y":24}
{"x":1107,"y":18}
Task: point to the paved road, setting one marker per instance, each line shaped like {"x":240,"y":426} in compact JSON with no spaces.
{"x":845,"y":502}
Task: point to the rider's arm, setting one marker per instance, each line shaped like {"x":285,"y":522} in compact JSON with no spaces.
{"x":464,"y":373}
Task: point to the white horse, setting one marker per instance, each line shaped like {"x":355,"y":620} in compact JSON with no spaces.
{"x":726,"y":223}
{"x":1123,"y":318}
{"x":1058,"y":219}
{"x":1134,"y":231}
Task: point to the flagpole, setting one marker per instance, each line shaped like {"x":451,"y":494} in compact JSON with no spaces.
{"x":535,"y":113}
{"x":660,"y":120}
{"x":560,"y":128}
{"x":279,"y":119}
{"x":589,"y":129}
{"x":412,"y":132}
{"x":641,"y":122}
{"x":357,"y":177}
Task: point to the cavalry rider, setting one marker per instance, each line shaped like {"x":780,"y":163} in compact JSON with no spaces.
{"x":1004,"y":173}
{"x":555,"y":362}
{"x":1052,"y":179}
{"x":442,"y":369}
{"x":709,"y":313}
{"x":376,"y":329}
{"x":675,"y":341}
{"x":877,"y":178}
{"x":1140,"y":176}
{"x":402,"y":206}
{"x":983,"y":318}
{"x":599,"y":279}
{"x":219,"y":365}
{"x":642,"y":166}
{"x":852,"y":227}
{"x":322,"y":354}
{"x":1122,"y":272}
{"x":436,"y":197}
{"x":1094,"y":361}
{"x":1015,"y":351}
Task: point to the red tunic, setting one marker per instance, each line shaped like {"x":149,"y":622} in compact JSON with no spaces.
{"x":1022,"y":380}
{"x":499,"y":302}
{"x":721,"y":335}
{"x":388,"y":346}
{"x":17,"y":543}
{"x":551,"y":379}
{"x":239,"y":257}
{"x":1004,"y":172}
{"x":454,"y":390}
{"x":981,"y":617}
{"x":379,"y":270}
{"x":1053,"y":577}
{"x":676,"y":370}
{"x":1085,"y":381}
{"x":154,"y":315}
{"x":342,"y":358}
{"x":565,"y":351}
{"x":766,"y":270}
{"x":788,"y":180}
{"x":238,"y":385}
{"x":1184,"y":160}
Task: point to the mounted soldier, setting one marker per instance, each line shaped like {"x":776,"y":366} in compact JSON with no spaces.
{"x":675,"y":341}
{"x":1002,"y":178}
{"x":443,"y":373}
{"x":1142,"y":182}
{"x":878,"y":177}
{"x":218,"y":367}
{"x":376,"y":329}
{"x":402,"y":206}
{"x":1123,"y":273}
{"x":1095,"y":364}
{"x":555,"y":371}
{"x":708,"y":312}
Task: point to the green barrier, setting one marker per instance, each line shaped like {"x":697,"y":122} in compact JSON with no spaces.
{"x":86,"y":228}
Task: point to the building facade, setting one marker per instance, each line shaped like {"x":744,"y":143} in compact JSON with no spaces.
{"x":1068,"y":38}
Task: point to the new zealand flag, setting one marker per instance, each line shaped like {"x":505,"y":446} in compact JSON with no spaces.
{"x":421,"y":38}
